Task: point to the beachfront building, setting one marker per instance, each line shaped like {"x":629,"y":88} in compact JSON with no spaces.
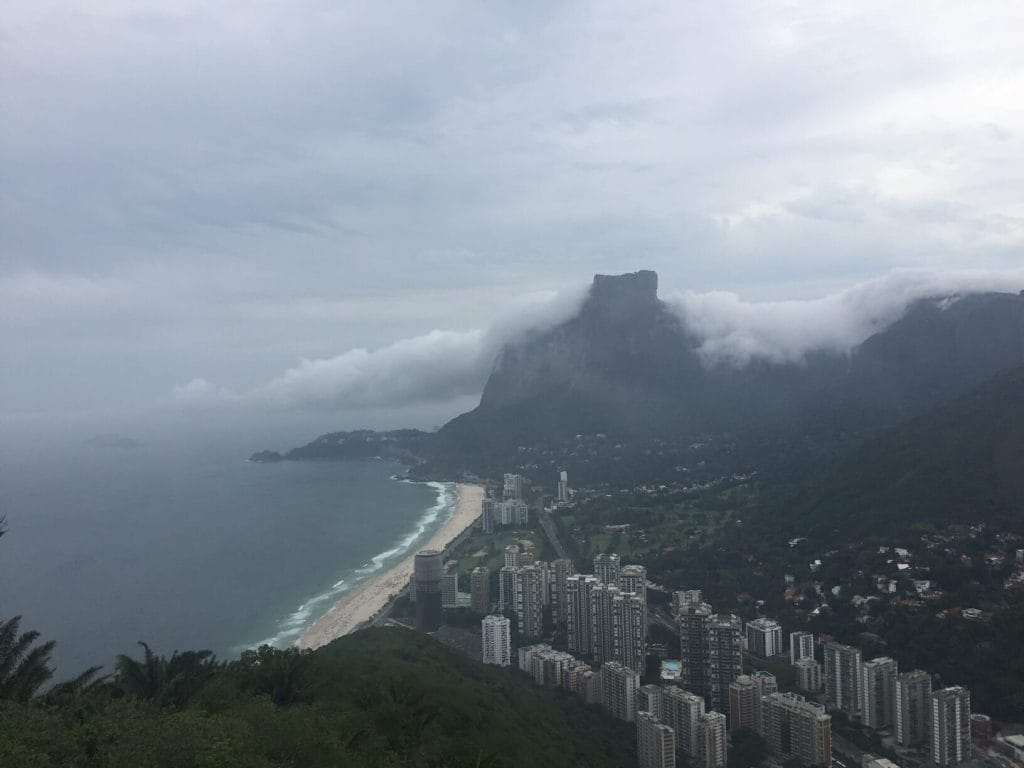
{"x":480,"y":589}
{"x":428,"y":568}
{"x":497,"y":640}
{"x":655,"y":742}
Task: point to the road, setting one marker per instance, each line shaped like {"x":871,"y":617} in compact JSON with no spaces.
{"x":551,"y":531}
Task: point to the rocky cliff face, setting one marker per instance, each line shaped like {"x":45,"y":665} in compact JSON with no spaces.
{"x":626,"y":365}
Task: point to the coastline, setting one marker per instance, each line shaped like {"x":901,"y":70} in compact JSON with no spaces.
{"x":366,"y":600}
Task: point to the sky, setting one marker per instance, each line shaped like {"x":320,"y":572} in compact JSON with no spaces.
{"x":338,"y":211}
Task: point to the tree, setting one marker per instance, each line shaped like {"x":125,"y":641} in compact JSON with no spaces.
{"x":171,"y":681}
{"x":23,"y":668}
{"x":747,"y":749}
{"x":284,"y":675}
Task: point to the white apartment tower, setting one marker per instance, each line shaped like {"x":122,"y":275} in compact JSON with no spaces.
{"x":563,"y":486}
{"x":497,"y":640}
{"x":764,"y":638}
{"x":801,"y":646}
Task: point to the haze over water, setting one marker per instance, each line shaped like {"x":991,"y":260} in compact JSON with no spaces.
{"x":184,"y":544}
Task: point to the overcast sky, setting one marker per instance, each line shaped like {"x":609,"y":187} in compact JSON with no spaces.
{"x":330,"y":206}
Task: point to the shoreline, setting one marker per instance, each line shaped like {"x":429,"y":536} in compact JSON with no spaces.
{"x":366,"y":601}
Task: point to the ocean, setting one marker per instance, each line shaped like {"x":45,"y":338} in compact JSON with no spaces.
{"x":184,"y":544}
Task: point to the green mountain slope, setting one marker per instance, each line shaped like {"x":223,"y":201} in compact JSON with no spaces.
{"x":382,"y":697}
{"x":960,"y":463}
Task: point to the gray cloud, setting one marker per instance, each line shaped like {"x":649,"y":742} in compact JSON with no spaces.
{"x":216,"y":190}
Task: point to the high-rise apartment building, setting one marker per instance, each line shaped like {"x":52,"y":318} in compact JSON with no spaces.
{"x":513,"y":486}
{"x":629,"y":630}
{"x":742,"y":711}
{"x":562,"y":494}
{"x":682,"y":711}
{"x":648,"y":699}
{"x":619,"y":685}
{"x":801,"y":646}
{"x":561,"y":569}
{"x":765,"y":684}
{"x":684,"y":598}
{"x":602,"y":622}
{"x":796,"y":728}
{"x":808,"y":675}
{"x":764,"y":638}
{"x":450,"y":589}
{"x":512,"y":556}
{"x":723,"y":658}
{"x":480,"y":589}
{"x":507,"y":588}
{"x":951,"y":726}
{"x":913,"y":704}
{"x":633,"y":578}
{"x":711,"y":740}
{"x":489,"y":515}
{"x":497,"y":640}
{"x":655,"y":742}
{"x":545,"y":576}
{"x":878,"y":692}
{"x":606,"y":568}
{"x":692,"y":619}
{"x":528,"y":583}
{"x":428,"y":567}
{"x":843,"y":677}
{"x":579,"y":589}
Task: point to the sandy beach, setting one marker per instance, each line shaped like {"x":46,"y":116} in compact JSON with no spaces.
{"x":363,"y":602}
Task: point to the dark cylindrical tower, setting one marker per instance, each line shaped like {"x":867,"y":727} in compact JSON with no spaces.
{"x":427,"y":572}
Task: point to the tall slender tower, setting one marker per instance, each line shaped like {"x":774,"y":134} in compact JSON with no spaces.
{"x":801,"y":646}
{"x":497,"y":640}
{"x":428,"y":568}
{"x":913,"y":707}
{"x":561,"y":570}
{"x":723,"y":657}
{"x":682,"y":710}
{"x":843,"y":677}
{"x":579,"y":590}
{"x":529,"y":601}
{"x":711,"y":739}
{"x":951,"y":726}
{"x":629,"y":630}
{"x":480,"y":589}
{"x":878,"y":692}
{"x":692,"y":619}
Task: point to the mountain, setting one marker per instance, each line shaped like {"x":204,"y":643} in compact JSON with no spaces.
{"x":960,"y":463}
{"x":627,"y":366}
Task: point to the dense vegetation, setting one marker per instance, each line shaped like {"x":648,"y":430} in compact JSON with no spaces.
{"x":382,"y":697}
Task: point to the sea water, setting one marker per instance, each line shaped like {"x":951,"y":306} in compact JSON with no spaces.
{"x":186,"y":545}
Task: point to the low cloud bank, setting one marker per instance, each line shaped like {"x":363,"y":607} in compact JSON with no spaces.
{"x":734,"y":332}
{"x":444,"y":366}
